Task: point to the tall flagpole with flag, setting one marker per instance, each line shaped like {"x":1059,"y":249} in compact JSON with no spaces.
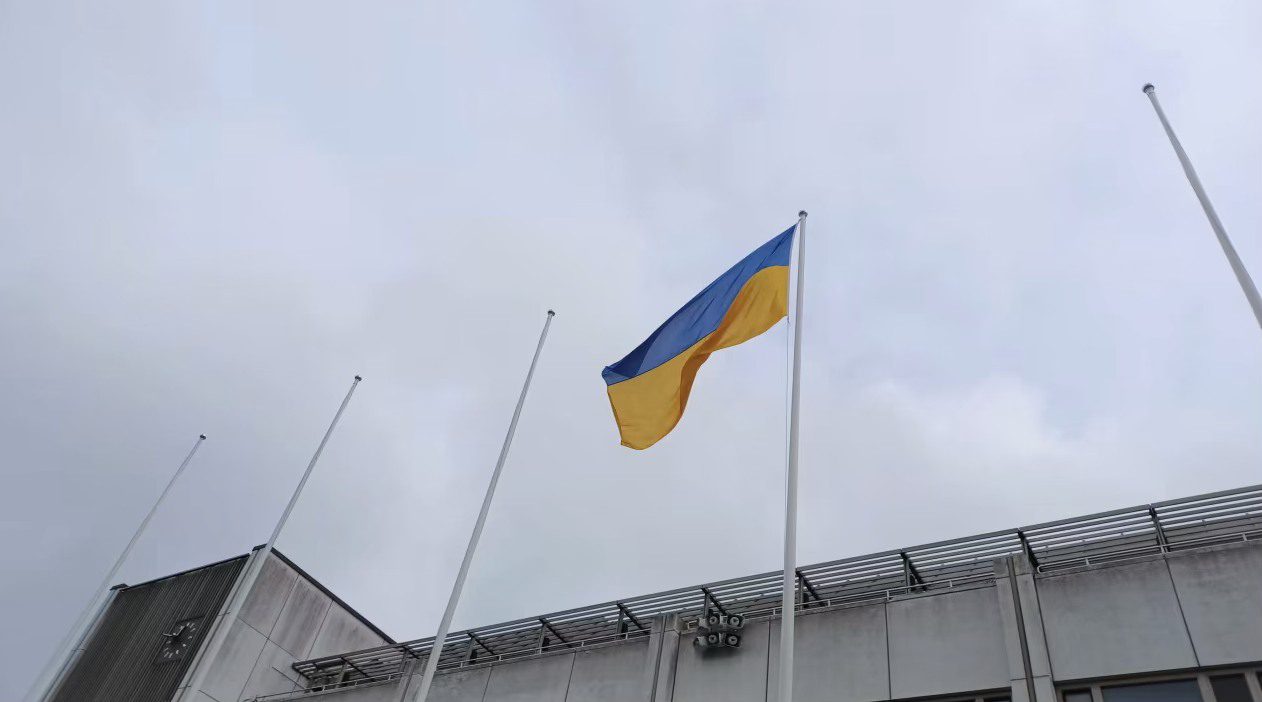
{"x":436,"y":649}
{"x":254,"y":566}
{"x":44,"y":684}
{"x":1233,"y":259}
{"x":788,"y":594}
{"x":649,"y":387}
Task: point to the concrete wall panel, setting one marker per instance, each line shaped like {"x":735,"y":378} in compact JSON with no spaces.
{"x":341,"y":632}
{"x":1113,"y":621}
{"x":724,"y":675}
{"x":301,"y":618}
{"x":664,"y":646}
{"x":365,"y":693}
{"x":839,"y":656}
{"x":613,"y":674}
{"x":461,"y":686}
{"x":947,"y":643}
{"x":537,"y":680}
{"x":232,"y":668}
{"x":272,"y":674}
{"x":267,"y":598}
{"x":1221,"y":595}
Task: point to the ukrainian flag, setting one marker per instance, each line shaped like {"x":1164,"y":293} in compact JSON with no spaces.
{"x":649,"y":388}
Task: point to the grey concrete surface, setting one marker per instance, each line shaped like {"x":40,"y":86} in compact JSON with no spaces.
{"x":1032,"y":618}
{"x":539,"y":680}
{"x":271,"y":590}
{"x":462,"y":686}
{"x":724,"y":675}
{"x":839,"y":656}
{"x":1029,"y":667}
{"x":1221,"y":595}
{"x":230,"y":672}
{"x":295,"y":616}
{"x":611,"y":674}
{"x":665,"y":647}
{"x":272,"y":672}
{"x":946,"y":643}
{"x":1114,"y":620}
{"x":1104,"y":621}
{"x":301,"y":618}
{"x":367,"y":693}
{"x":341,"y":632}
{"x":1013,"y":630}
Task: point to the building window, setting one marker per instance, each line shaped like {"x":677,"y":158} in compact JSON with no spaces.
{"x":1230,"y":688}
{"x":1077,"y":696}
{"x":1172,"y":691}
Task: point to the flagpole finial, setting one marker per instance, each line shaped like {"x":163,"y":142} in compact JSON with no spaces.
{"x":801,"y":213}
{"x":551,"y":313}
{"x":1149,"y":88}
{"x":202,"y":437}
{"x":359,"y":378}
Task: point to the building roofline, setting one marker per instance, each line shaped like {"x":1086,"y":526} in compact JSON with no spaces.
{"x":146,"y":583}
{"x":284,"y":559}
{"x":339,"y":601}
{"x":1158,"y":527}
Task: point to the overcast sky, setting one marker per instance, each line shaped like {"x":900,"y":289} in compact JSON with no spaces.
{"x":212,"y":215}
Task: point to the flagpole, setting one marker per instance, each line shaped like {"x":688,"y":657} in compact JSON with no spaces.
{"x":788,"y":595}
{"x":65,"y":650}
{"x":255,"y":564}
{"x":1237,"y":266}
{"x":436,"y":649}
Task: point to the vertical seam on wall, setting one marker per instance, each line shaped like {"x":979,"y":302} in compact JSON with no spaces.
{"x":766,"y":681}
{"x":319,"y":630}
{"x":487,"y":685}
{"x":1183,"y":617}
{"x":1047,"y":649}
{"x":272,"y":629}
{"x":674,"y":678}
{"x":657,"y":660}
{"x":266,"y":641}
{"x":570,"y":679}
{"x":1021,"y":638}
{"x":889,"y":667}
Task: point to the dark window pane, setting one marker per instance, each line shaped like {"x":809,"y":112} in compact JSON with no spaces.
{"x":1078,"y":696}
{"x":1173,"y":691}
{"x":1230,"y":688}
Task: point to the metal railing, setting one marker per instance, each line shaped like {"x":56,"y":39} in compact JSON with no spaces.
{"x":1193,"y":522}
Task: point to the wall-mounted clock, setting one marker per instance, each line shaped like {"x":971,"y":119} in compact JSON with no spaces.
{"x":175,"y":643}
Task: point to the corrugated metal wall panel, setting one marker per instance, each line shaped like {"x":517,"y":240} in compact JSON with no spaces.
{"x":121,"y":663}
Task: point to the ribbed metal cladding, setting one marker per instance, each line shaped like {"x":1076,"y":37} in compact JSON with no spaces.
{"x":121,"y":661}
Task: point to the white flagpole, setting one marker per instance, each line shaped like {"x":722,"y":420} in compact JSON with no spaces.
{"x":44,"y":684}
{"x":436,"y":650}
{"x":254,"y":566}
{"x":788,"y":595}
{"x":1237,"y":266}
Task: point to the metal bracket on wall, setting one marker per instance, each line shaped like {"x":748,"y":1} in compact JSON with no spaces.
{"x":1156,"y":525}
{"x":910,"y":576}
{"x":806,"y":585}
{"x":1025,"y":546}
{"x":712,"y":600}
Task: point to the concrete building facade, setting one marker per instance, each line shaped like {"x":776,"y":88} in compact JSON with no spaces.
{"x":148,"y":642}
{"x":1156,"y":603}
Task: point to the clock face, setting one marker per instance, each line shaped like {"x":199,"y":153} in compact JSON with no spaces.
{"x":175,"y":642}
